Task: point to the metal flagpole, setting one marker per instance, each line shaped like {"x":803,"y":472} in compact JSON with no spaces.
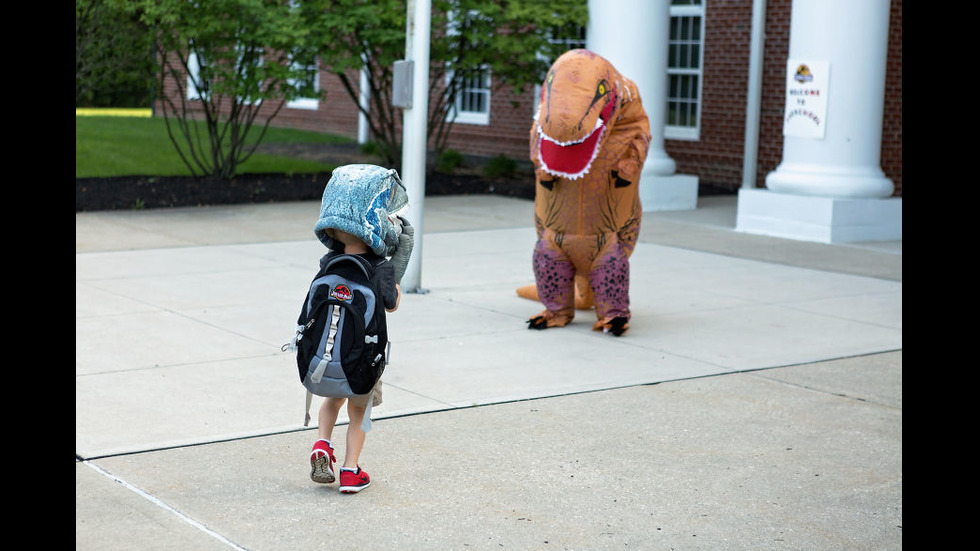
{"x":414,"y":130}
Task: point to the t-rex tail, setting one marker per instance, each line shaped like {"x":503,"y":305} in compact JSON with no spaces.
{"x":583,"y":293}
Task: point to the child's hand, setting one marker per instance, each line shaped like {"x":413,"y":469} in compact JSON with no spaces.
{"x":406,"y":242}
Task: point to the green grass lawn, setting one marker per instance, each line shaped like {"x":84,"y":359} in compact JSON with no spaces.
{"x":130,"y":142}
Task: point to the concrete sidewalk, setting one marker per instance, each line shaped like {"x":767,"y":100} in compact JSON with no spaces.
{"x":755,"y":403}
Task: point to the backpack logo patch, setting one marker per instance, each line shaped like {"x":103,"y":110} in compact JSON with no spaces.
{"x":342,"y":292}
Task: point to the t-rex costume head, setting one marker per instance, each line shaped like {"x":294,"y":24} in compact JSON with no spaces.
{"x":582,"y":99}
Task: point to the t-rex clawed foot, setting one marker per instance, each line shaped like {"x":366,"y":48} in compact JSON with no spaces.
{"x":548,"y":319}
{"x":617,"y":326}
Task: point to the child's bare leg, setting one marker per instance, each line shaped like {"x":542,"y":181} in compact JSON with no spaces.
{"x":355,"y":435}
{"x":322,"y":456}
{"x":327,"y":418}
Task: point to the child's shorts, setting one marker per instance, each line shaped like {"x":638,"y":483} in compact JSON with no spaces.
{"x":362,"y":400}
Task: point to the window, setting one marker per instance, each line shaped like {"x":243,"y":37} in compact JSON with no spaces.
{"x":194,"y":66}
{"x":473,"y":99}
{"x":472,"y":104}
{"x":562,"y":40}
{"x":193,"y":74}
{"x":308,"y":67}
{"x":684,"y":69}
{"x":567,"y":38}
{"x":245,"y":59}
{"x":312,"y":77}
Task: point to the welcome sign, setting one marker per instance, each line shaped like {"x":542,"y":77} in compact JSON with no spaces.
{"x":806,"y":98}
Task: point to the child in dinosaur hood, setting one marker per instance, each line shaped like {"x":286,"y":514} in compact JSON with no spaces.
{"x":360,"y":213}
{"x":366,"y":201}
{"x":589,"y":140}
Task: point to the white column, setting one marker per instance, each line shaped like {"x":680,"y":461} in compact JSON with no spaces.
{"x":633,"y":35}
{"x":364,"y":98}
{"x":829,"y":186}
{"x":753,"y":105}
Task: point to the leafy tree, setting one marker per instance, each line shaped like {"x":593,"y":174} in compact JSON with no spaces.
{"x":113,"y":56}
{"x":227,"y":58}
{"x":355,"y":34}
{"x":509,"y":37}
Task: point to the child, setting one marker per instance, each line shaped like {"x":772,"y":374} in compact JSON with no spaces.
{"x":359,"y":214}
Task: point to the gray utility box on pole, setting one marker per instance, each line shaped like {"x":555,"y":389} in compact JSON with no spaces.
{"x":401,"y":87}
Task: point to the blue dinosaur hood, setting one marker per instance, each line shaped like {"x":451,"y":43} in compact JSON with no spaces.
{"x":363,"y":200}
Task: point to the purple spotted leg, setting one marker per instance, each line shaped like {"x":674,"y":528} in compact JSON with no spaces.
{"x":610,"y":281}
{"x":554,"y":276}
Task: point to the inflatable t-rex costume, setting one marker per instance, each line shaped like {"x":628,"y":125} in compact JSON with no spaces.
{"x":588,"y":143}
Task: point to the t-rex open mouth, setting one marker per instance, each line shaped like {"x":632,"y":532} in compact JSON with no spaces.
{"x":570,"y":160}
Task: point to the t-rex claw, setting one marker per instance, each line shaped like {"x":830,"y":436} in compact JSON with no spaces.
{"x":617,"y":326}
{"x":537,"y":322}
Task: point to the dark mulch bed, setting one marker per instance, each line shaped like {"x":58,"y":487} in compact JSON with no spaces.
{"x":135,"y":192}
{"x":151,"y":192}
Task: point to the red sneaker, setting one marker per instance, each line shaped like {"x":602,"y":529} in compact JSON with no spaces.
{"x":321,"y":462}
{"x":352,"y":482}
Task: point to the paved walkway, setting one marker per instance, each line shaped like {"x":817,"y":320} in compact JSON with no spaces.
{"x":755,"y":403}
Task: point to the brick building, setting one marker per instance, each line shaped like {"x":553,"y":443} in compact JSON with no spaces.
{"x":709,"y":141}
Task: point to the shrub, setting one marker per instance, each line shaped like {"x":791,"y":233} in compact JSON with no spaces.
{"x":449,"y":160}
{"x":369,"y":148}
{"x":499,"y":167}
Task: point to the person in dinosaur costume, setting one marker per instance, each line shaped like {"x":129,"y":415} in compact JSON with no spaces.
{"x":589,"y":141}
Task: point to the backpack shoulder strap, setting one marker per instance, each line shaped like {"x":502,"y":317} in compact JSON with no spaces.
{"x":365,"y":266}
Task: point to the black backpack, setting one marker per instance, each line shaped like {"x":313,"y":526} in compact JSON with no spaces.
{"x":341,"y":340}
